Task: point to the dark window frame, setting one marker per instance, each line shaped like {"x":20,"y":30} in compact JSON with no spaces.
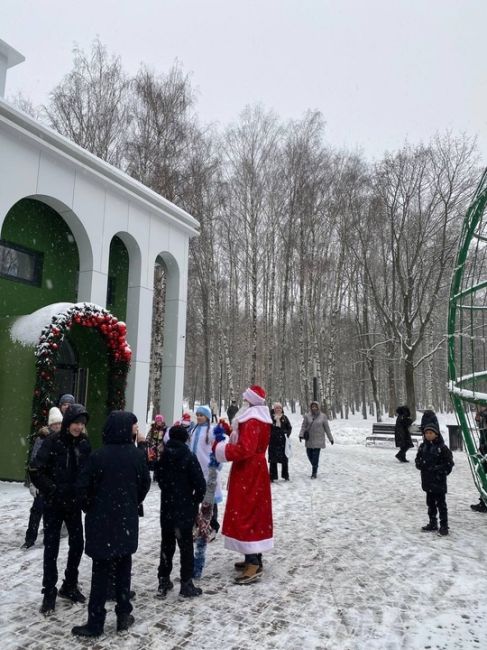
{"x":38,"y":264}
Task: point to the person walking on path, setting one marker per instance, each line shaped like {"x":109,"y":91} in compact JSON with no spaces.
{"x":435,"y":461}
{"x":54,"y":422}
{"x":183,"y":488}
{"x":247,"y":524}
{"x":54,"y":472}
{"x":214,"y":409}
{"x":314,"y":431}
{"x":232,"y":410}
{"x":111,"y":487}
{"x":278,"y":445}
{"x":402,"y":435}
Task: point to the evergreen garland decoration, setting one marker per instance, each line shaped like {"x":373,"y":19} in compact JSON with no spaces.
{"x":114,"y":334}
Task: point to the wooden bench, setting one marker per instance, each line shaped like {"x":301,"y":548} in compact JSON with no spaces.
{"x":383,"y":432}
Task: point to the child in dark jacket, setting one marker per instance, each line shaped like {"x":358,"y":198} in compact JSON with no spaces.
{"x":183,"y":488}
{"x":435,"y":461}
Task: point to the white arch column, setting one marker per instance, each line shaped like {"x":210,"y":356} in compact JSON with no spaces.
{"x":172,"y":384}
{"x":139,"y":324}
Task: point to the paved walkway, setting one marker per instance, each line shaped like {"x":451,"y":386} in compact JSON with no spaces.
{"x":350,"y":571}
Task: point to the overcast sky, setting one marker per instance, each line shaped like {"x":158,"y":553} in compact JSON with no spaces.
{"x":380,"y":71}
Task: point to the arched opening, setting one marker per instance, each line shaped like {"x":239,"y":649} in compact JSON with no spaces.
{"x":164,"y":340}
{"x":39,"y":260}
{"x":118,"y":278}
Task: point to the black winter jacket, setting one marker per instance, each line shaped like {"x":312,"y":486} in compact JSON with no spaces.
{"x":435,"y":461}
{"x":113,"y":483}
{"x":57,"y":464}
{"x":401,"y":430}
{"x":182,"y":484}
{"x":277,"y":441}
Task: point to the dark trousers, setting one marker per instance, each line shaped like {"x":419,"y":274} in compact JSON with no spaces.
{"x":402,"y":451}
{"x":437,"y":503}
{"x":103,"y":570}
{"x":184,"y":538}
{"x":254,"y":558}
{"x":314,"y":458}
{"x":34,"y":519}
{"x":53,"y":520}
{"x":284,"y":470}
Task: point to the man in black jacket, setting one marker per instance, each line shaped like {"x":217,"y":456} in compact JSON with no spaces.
{"x":54,"y":471}
{"x":111,"y":487}
{"x":183,"y":487}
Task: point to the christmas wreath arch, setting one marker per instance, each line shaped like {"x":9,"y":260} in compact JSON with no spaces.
{"x":114,"y":334}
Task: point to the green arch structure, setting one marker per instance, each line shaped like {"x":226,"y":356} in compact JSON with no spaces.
{"x":467,"y":331}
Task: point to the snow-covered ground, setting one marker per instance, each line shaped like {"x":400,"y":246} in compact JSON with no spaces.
{"x":351,"y":568}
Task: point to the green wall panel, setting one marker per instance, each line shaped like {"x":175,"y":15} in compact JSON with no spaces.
{"x":36,"y":226}
{"x":17,"y":379}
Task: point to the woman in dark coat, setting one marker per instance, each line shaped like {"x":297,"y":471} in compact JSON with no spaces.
{"x":280,"y":432}
{"x":111,"y":487}
{"x":401,"y":432}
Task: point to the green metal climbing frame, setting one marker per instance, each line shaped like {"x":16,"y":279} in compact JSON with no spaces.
{"x":467,"y":331}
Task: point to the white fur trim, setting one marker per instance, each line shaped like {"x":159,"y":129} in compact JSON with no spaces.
{"x":260,"y":413}
{"x":220,"y":451}
{"x":248,"y":548}
{"x":253,"y":398}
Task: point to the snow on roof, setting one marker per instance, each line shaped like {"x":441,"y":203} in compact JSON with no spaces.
{"x":26,"y":330}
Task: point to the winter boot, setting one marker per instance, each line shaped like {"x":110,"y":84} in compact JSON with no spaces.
{"x":443,"y":531}
{"x":124,"y":621}
{"x":188,"y":590}
{"x":48,"y":602}
{"x":240,"y":566}
{"x":430,"y":527}
{"x":27,"y":544}
{"x":479,"y":507}
{"x":72,"y":593}
{"x":87,"y":630}
{"x":401,"y":457}
{"x":165,"y":585}
{"x":313,"y":473}
{"x":251,"y":573}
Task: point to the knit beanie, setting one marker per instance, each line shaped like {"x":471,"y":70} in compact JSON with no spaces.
{"x":66,"y":399}
{"x":178,"y":432}
{"x":431,"y":426}
{"x":55,"y":416}
{"x":204,"y":410}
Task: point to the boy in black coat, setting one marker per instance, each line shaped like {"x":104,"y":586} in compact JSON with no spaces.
{"x":183,"y":487}
{"x":110,"y":488}
{"x":54,"y":472}
{"x":435,"y":461}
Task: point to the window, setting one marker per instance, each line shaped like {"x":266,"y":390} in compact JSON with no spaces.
{"x":20,"y":264}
